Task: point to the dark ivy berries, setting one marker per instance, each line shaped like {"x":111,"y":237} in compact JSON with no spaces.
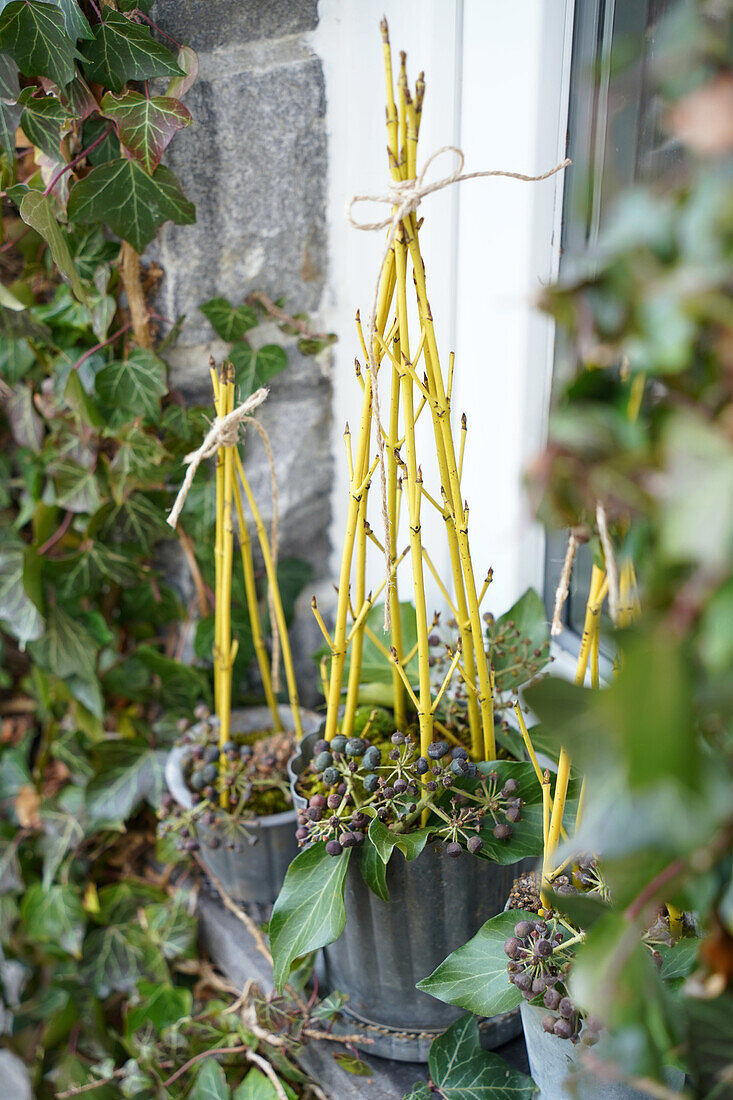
{"x":322,"y":761}
{"x":331,"y":776}
{"x":474,"y":845}
{"x":338,"y":743}
{"x":372,"y":758}
{"x":453,"y":849}
{"x":333,"y":848}
{"x":371,"y":783}
{"x":355,"y":746}
{"x":437,"y":750}
{"x":503,"y":831}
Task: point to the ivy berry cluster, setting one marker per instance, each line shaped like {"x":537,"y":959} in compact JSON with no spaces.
{"x":538,"y":965}
{"x":352,"y":781}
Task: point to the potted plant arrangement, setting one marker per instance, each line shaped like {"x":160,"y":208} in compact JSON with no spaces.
{"x":229,"y":798}
{"x":525,"y":956}
{"x":411,"y":818}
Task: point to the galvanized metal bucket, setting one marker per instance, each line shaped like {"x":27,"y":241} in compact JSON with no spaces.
{"x":556,"y":1066}
{"x":436,"y":904}
{"x":257,"y":873}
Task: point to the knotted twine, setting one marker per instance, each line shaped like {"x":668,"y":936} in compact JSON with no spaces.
{"x":405,"y":196}
{"x":224,"y":432}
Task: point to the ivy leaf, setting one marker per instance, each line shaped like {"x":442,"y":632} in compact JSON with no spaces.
{"x":373,"y":869}
{"x":310,"y":911}
{"x":10,"y":110}
{"x":76,"y":486}
{"x":37,"y":211}
{"x":26,"y":426}
{"x":54,"y":916}
{"x":74,"y":19}
{"x":42,"y":121}
{"x":461,"y":1070}
{"x":257,"y":1086}
{"x":117,"y":957}
{"x":138,"y":520}
{"x":128,"y":774}
{"x":475,"y":976}
{"x":35,"y":36}
{"x":18,"y":612}
{"x":187,"y":61}
{"x":385,"y":841}
{"x":353,"y":1065}
{"x":256,"y":367}
{"x":122,"y":50}
{"x":181,"y":686}
{"x":16,"y":359}
{"x":161,"y":1006}
{"x":135,"y":384}
{"x":228,"y":321}
{"x":133,"y":204}
{"x":145,"y":126}
{"x":210,"y":1083}
{"x":66,"y":648}
{"x":171,"y":926}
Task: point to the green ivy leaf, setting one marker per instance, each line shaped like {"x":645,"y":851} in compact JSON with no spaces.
{"x":35,"y":35}
{"x":133,"y":204}
{"x":66,"y":648}
{"x":256,"y":367}
{"x":139,"y":520}
{"x":161,"y":1006}
{"x":145,"y":126}
{"x":257,"y":1086}
{"x":117,"y":957}
{"x":228,"y":321}
{"x":475,"y":976}
{"x":76,"y":486}
{"x":187,"y":61}
{"x":42,"y":121}
{"x":679,"y":960}
{"x":135,"y":384}
{"x":210,"y":1082}
{"x":128,"y":773}
{"x":37,"y":211}
{"x":74,"y":20}
{"x":310,"y":911}
{"x":181,"y":686}
{"x":10,"y":110}
{"x":19,"y":613}
{"x":463,"y":1071}
{"x":385,"y":841}
{"x":122,"y":50}
{"x":54,"y":916}
{"x":352,"y":1065}
{"x":171,"y":926}
{"x":373,"y":869}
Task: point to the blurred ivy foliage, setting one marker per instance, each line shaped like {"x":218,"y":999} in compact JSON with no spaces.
{"x":99,"y":979}
{"x":651,"y":316}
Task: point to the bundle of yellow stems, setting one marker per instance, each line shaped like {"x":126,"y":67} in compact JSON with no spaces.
{"x":416,"y":382}
{"x":553,"y":808}
{"x":231,"y":482}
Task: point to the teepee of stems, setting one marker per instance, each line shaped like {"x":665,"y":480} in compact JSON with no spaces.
{"x":414,"y":386}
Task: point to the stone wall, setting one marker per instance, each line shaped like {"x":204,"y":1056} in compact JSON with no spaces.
{"x":254,"y":163}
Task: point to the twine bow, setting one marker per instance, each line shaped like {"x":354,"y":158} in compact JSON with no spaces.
{"x":224,"y":432}
{"x":405,"y":196}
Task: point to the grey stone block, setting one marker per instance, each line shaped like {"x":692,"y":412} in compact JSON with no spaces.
{"x":254,"y":163}
{"x":208,"y":24}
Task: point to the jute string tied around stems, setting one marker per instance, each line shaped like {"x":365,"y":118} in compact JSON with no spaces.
{"x":224,"y":432}
{"x":405,"y":196}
